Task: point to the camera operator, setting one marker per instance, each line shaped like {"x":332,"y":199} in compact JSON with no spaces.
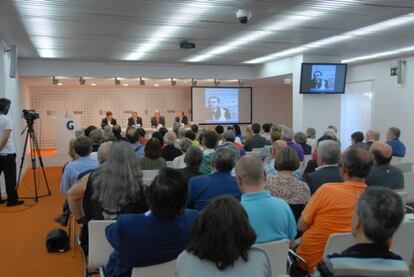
{"x":8,"y":154}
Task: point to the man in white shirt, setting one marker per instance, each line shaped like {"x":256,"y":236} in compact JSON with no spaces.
{"x":8,"y":155}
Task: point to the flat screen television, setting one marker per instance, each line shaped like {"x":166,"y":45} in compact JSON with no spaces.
{"x":323,"y":78}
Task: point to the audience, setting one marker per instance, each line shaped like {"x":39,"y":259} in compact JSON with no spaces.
{"x":184,"y":144}
{"x":209,"y":142}
{"x":116,"y":130}
{"x":313,"y":163}
{"x":193,"y":137}
{"x":142,"y":134}
{"x":201,"y":189}
{"x":238,"y":133}
{"x":330,"y":208}
{"x":375,"y":219}
{"x":107,"y":132}
{"x":269,"y":163}
{"x":287,"y":135}
{"x":194,"y":128}
{"x":370,"y":137}
{"x":192,"y":158}
{"x":247,"y":134}
{"x":327,"y":171}
{"x":160,"y":137}
{"x":169,"y":152}
{"x":301,"y":139}
{"x":357,"y":138}
{"x":133,"y":138}
{"x":221,"y":244}
{"x":229,"y":142}
{"x":156,"y":236}
{"x":176,"y":125}
{"x":96,"y":136}
{"x":266,"y":131}
{"x":219,"y":130}
{"x":152,"y":159}
{"x":382,"y":172}
{"x":88,"y":130}
{"x":255,"y":141}
{"x":71,"y":151}
{"x":311,"y":137}
{"x":285,"y":185}
{"x":270,"y":217}
{"x":393,"y":139}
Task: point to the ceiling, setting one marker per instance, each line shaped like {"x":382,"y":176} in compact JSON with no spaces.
{"x":151,"y":30}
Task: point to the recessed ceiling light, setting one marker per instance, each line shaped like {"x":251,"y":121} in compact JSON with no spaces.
{"x":156,"y":85}
{"x":60,"y":84}
{"x":380,"y":55}
{"x":125,"y":85}
{"x":93,"y":84}
{"x":360,"y":32}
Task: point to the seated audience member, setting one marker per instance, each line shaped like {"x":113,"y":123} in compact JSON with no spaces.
{"x":201,"y":189}
{"x":376,"y":218}
{"x":154,"y":237}
{"x":357,"y":138}
{"x":382,"y":172}
{"x":163,"y":131}
{"x":193,"y":137}
{"x":72,"y":152}
{"x":327,"y":171}
{"x":287,"y":135}
{"x":88,"y":130}
{"x":229,"y":142}
{"x":267,"y":150}
{"x":160,"y":138}
{"x":194,"y":128}
{"x":96,"y":137}
{"x":270,"y":217}
{"x":248,"y":133}
{"x":169,"y":152}
{"x":116,"y":130}
{"x":79,"y":132}
{"x":219,"y":130}
{"x":107,"y":132}
{"x":176,"y":125}
{"x":393,"y":139}
{"x":132,"y":137}
{"x":142,"y":134}
{"x":370,"y":137}
{"x":238,"y":133}
{"x":152,"y":159}
{"x":184,"y":144}
{"x":209,"y":142}
{"x":269,"y":163}
{"x":266,"y":131}
{"x":222,"y":244}
{"x":330,"y":208}
{"x":108,"y":120}
{"x":301,"y":139}
{"x":285,"y":185}
{"x":255,"y":141}
{"x":311,"y":137}
{"x":313,"y":163}
{"x":192,"y":158}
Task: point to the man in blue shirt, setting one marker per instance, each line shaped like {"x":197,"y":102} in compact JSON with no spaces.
{"x":201,"y":189}
{"x":133,"y":138}
{"x":393,"y":139}
{"x":271,"y":217}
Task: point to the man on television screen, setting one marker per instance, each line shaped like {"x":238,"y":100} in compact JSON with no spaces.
{"x":318,"y":83}
{"x":215,"y":112}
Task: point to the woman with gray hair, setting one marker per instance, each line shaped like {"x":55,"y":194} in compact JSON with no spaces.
{"x":115,"y":188}
{"x":184,"y":144}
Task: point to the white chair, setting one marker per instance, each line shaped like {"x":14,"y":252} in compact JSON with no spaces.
{"x":409,"y":187}
{"x":149,"y":176}
{"x":277,"y":251}
{"x":170,"y":164}
{"x":402,"y":242}
{"x":338,"y":242}
{"x":257,"y":152}
{"x":167,"y":269}
{"x":99,"y":247}
{"x":406,"y":167}
{"x":397,"y":160}
{"x":404,"y":195}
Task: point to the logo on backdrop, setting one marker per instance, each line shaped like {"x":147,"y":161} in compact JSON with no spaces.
{"x":70,"y":125}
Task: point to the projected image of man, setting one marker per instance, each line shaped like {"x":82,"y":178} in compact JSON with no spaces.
{"x":215,"y":111}
{"x":318,"y":83}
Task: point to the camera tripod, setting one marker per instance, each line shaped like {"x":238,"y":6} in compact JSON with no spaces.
{"x":34,"y":152}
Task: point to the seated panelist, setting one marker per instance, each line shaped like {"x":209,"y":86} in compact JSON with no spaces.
{"x":108,"y":120}
{"x":135,"y":120}
{"x":157,"y":119}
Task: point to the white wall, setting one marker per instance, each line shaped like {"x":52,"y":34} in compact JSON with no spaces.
{"x":392,"y":104}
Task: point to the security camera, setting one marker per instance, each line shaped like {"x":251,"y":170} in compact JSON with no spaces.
{"x":244,"y":16}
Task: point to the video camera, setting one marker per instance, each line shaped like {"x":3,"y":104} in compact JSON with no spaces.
{"x":30,"y":115}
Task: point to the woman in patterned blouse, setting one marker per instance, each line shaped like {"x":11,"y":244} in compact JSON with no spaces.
{"x":285,"y":185}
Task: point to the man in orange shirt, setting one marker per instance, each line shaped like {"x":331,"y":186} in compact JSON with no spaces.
{"x":330,"y":208}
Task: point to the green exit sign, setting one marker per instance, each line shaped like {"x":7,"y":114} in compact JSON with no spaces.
{"x":394,"y":71}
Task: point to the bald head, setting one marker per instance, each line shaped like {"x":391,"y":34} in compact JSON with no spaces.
{"x":249,"y":170}
{"x":277,"y":146}
{"x":381,"y":153}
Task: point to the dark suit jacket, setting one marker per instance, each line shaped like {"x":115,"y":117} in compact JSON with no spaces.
{"x":155,"y":123}
{"x":324,"y":175}
{"x":184,"y":120}
{"x":256,"y":141}
{"x":138,"y":121}
{"x":169,"y":152}
{"x":105,"y":122}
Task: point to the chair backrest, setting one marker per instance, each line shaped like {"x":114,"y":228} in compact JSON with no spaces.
{"x":404,"y":195}
{"x":403,"y":242}
{"x":99,"y":247}
{"x":149,"y":176}
{"x":277,"y":251}
{"x":170,"y":164}
{"x":406,"y":167}
{"x":338,"y":242}
{"x":409,"y":186}
{"x":397,"y":160}
{"x":167,"y":269}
